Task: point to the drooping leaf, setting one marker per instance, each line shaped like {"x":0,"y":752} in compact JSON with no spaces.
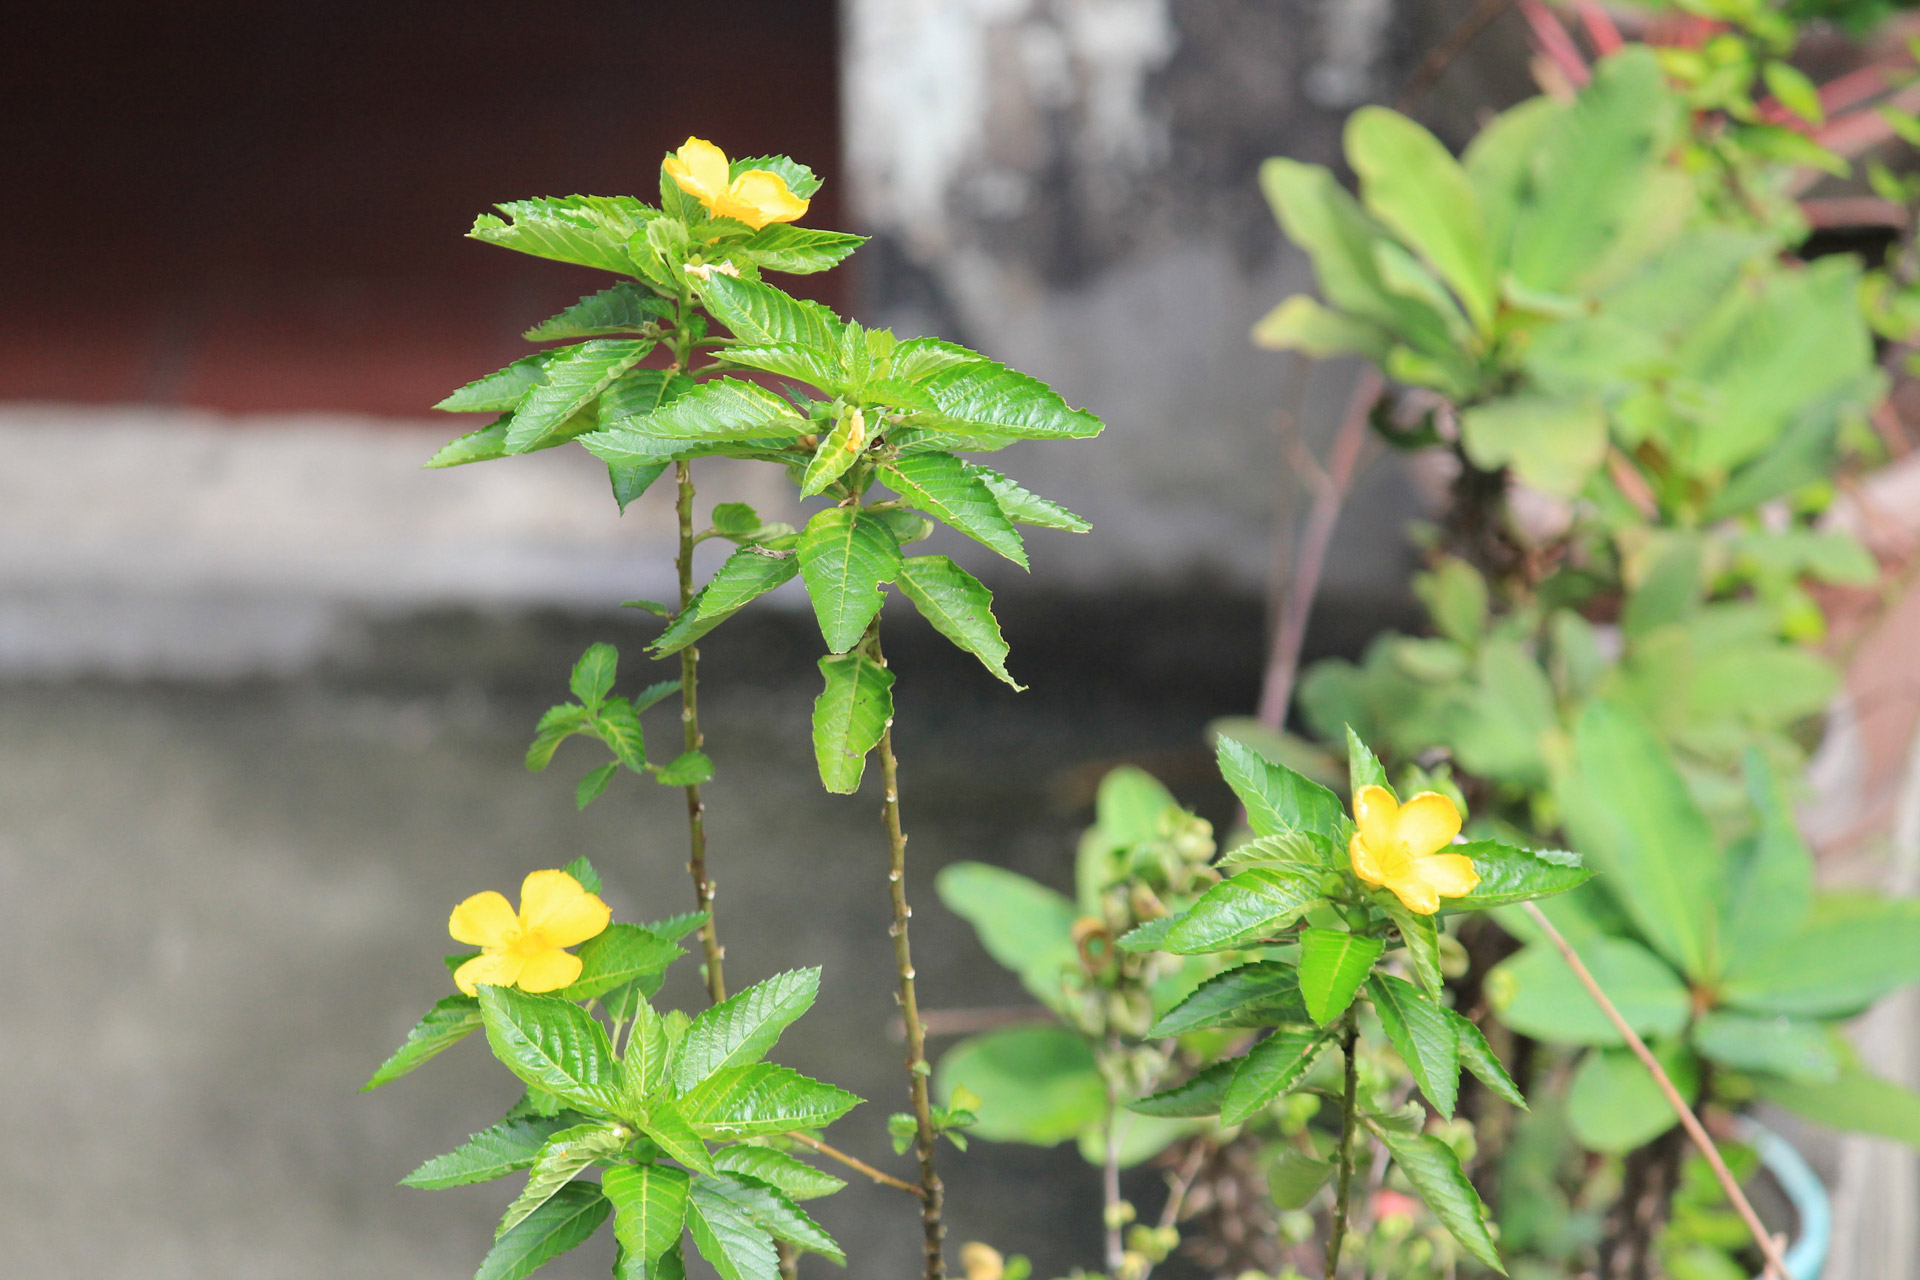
{"x":594,"y":785}
{"x":1036,"y":1084}
{"x":770,"y":1209}
{"x":1510,"y":874}
{"x":617,"y":955}
{"x":728,"y":1239}
{"x":1423,"y":1037}
{"x":748,"y":1101}
{"x":799,"y":1180}
{"x":492,"y":1153}
{"x":649,"y":1207}
{"x":782,"y":246}
{"x":1477,"y":1056}
{"x":1273,"y":1066}
{"x":1435,"y":1172}
{"x":1245,"y":909}
{"x":1023,"y":507}
{"x":1203,"y":1095}
{"x":844,"y":557}
{"x":1614,"y":1104}
{"x":1333,"y":964}
{"x":1277,"y":799}
{"x":551,"y":1044}
{"x":849,"y":718}
{"x":742,"y":1028}
{"x":960,"y":608}
{"x":567,"y":1220}
{"x":625,"y":308}
{"x":574,"y":377}
{"x":1537,"y":994}
{"x":1776,"y":1045}
{"x":1262,"y":994}
{"x":759,"y":313}
{"x":565,"y":1156}
{"x":747,"y":574}
{"x":448,"y":1023}
{"x":1025,"y":926}
{"x":945,"y":488}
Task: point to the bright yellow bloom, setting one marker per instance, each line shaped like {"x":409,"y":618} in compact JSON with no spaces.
{"x":526,"y":949}
{"x":1397,"y":847}
{"x":756,"y":197}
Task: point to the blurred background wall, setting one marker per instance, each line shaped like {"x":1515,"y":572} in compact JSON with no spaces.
{"x":264,"y":683}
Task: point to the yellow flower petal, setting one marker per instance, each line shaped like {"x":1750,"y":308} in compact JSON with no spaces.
{"x":1375,"y":813}
{"x":565,"y":914}
{"x":700,"y":169}
{"x":1416,"y":895}
{"x":549,"y":971}
{"x":766,"y":194}
{"x":1365,"y":865}
{"x":496,"y":968}
{"x":1450,"y":874}
{"x":1427,"y":822}
{"x":484,"y":920}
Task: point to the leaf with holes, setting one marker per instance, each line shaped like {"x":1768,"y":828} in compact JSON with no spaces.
{"x":946,"y":489}
{"x":960,"y":608}
{"x":844,"y":557}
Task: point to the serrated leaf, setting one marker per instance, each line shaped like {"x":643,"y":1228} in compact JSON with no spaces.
{"x":500,"y":391}
{"x":616,"y":956}
{"x":797,"y":250}
{"x":1249,"y":907}
{"x":550,"y":1044}
{"x":1333,"y":964}
{"x":484,"y":445}
{"x":575,"y":376}
{"x":594,"y":785}
{"x":492,"y":1153}
{"x":1298,"y":850}
{"x":844,"y":557}
{"x":688,"y":769}
{"x":982,"y":396}
{"x":590,"y":231}
{"x":564,"y":1157}
{"x":583,"y":873}
{"x":719,"y":410}
{"x":960,"y":608}
{"x":800,"y":1181}
{"x":1435,"y":1173}
{"x":1151,"y":936}
{"x":747,"y":574}
{"x":593,"y":674}
{"x":1421,"y":933}
{"x":618,"y":725}
{"x":749,"y":1101}
{"x":727,"y":1238}
{"x":1295,"y":1177}
{"x":800,"y":179}
{"x":629,"y":480}
{"x":625,"y":308}
{"x":759,"y":313}
{"x":1277,"y":799}
{"x":840,"y":449}
{"x":1510,"y":874}
{"x":1200,"y":1096}
{"x":1423,"y":1037}
{"x":1477,"y":1056}
{"x":1363,"y":767}
{"x":1262,"y":994}
{"x":769,"y":1208}
{"x":557,"y":724}
{"x":667,"y":1124}
{"x":639,"y":392}
{"x":1273,"y":1066}
{"x":918,"y":359}
{"x":649,"y":1207}
{"x":948,"y":490}
{"x":567,"y":1220}
{"x":448,"y":1023}
{"x":654,"y":693}
{"x":1024,"y":507}
{"x":849,"y":717}
{"x":741,"y":1029}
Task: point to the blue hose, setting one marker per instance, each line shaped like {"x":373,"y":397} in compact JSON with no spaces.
{"x":1808,"y":1255}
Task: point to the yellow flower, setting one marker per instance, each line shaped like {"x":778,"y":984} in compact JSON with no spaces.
{"x":526,"y":949}
{"x":756,"y":197}
{"x":1396,"y":847}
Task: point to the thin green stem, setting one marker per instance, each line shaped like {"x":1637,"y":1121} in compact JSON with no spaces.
{"x":691,"y":736}
{"x":1343,"y":1187}
{"x":932,"y":1194}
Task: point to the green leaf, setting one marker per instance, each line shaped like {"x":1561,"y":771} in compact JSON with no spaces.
{"x":1275,"y":1065}
{"x":1849,"y":954}
{"x":796,"y":250}
{"x":1423,"y":1037}
{"x":1435,"y":1173}
{"x":728,"y":1239}
{"x":594,"y":785}
{"x":1857,"y":1102}
{"x":688,"y":769}
{"x":551,"y":1044}
{"x":1774,"y":1045}
{"x":446,"y":1024}
{"x":844,"y":557}
{"x":722,"y":409}
{"x":1477,"y":1056}
{"x":1151,"y":936}
{"x":849,"y":718}
{"x":566,"y":1155}
{"x":669,"y":1126}
{"x":1301,"y":324}
{"x":630,"y":480}
{"x":1615,"y":1105}
{"x":1630,"y":812}
{"x":748,"y":574}
{"x":1537,"y":995}
{"x":1555,"y":445}
{"x":948,"y":490}
{"x":1025,"y":927}
{"x":742,"y":1028}
{"x":618,"y":725}
{"x":492,"y":1153}
{"x":1333,"y":964}
{"x":960,"y":608}
{"x":590,"y":231}
{"x":748,"y":1101}
{"x":581,"y":869}
{"x":625,"y":308}
{"x":1421,"y":934}
{"x":1294,"y":1178}
{"x":799,"y":1180}
{"x":1363,"y":767}
{"x":800,"y":179}
{"x":1277,"y":799}
{"x":1262,"y":994}
{"x":840,"y":449}
{"x":659,"y":691}
{"x":574,"y":377}
{"x":981,"y":396}
{"x":593,"y":674}
{"x":1509,"y":874}
{"x":499,"y":392}
{"x":1796,"y":93}
{"x":1023,"y":507}
{"x":1036,"y":1084}
{"x":649,"y":1207}
{"x":1409,"y":182}
{"x":639,"y":392}
{"x":759,"y":313}
{"x":616,"y":956}
{"x":484,"y":445}
{"x":1251,"y":906}
{"x":768,"y":1208}
{"x":567,"y":1220}
{"x":1203,"y":1095}
{"x":1295,"y":851}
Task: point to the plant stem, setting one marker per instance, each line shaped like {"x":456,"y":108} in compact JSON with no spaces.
{"x":690,"y":727}
{"x":1343,"y":1188}
{"x":932,"y":1194}
{"x":855,"y":1163}
{"x":1769,"y":1247}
